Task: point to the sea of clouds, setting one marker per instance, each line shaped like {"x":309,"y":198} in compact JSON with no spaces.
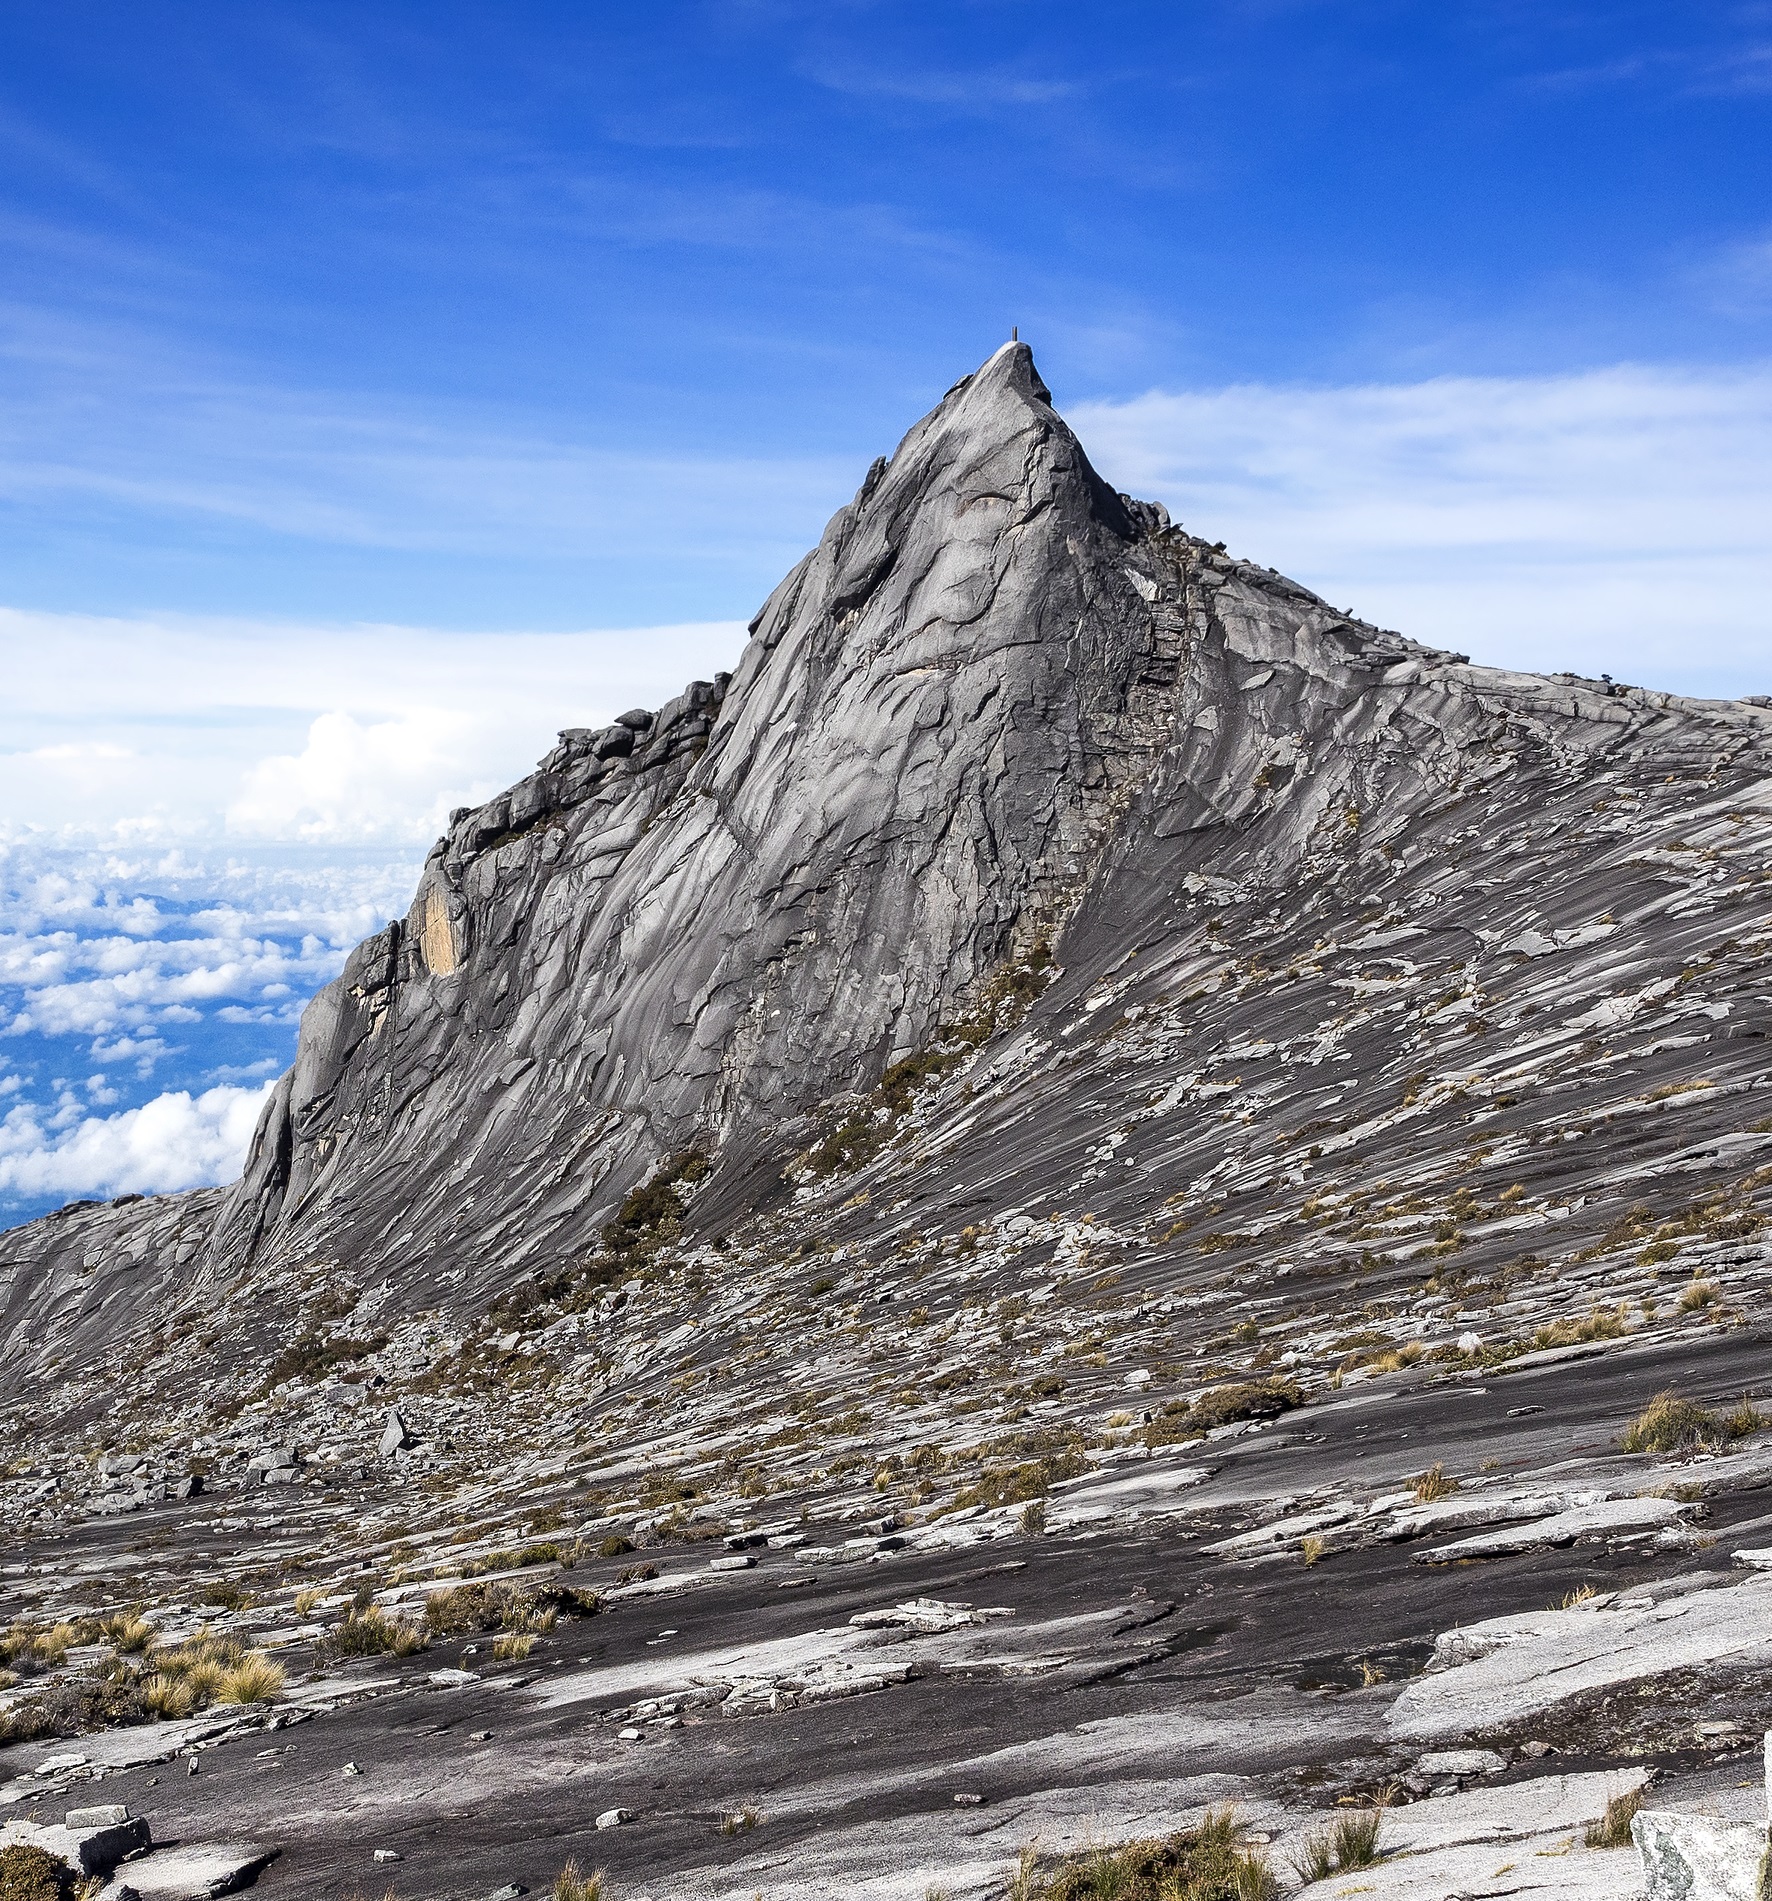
{"x":191,"y":846}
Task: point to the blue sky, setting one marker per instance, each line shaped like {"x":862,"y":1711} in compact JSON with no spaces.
{"x":554,"y":316}
{"x":375,"y":381}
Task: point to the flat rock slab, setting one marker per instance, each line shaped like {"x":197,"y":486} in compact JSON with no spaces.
{"x":1547,"y":1867}
{"x":1506,"y":1668}
{"x":1456,"y":1514}
{"x":110,"y":1749}
{"x":1522,"y":1839}
{"x":89,"y":1849}
{"x":194,"y":1871}
{"x":1606,"y":1519}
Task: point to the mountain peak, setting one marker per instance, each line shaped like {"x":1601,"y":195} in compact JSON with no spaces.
{"x":965,"y":731}
{"x":1067,"y":1000}
{"x":1009,"y":367}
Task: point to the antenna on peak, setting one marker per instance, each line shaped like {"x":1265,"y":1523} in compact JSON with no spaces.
{"x":1015,"y":333}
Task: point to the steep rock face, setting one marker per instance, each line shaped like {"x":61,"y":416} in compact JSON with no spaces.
{"x":684,"y":930}
{"x":998,"y":706}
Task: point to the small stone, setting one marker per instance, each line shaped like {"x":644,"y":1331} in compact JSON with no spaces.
{"x":741,"y":1561}
{"x":481,"y":1736}
{"x":388,"y":1854}
{"x":351,"y":1769}
{"x":1461,"y":1762}
{"x":613,"y":1818}
{"x":630,"y":1736}
{"x":105,"y":1815}
{"x":396,"y":1434}
{"x":963,"y":1799}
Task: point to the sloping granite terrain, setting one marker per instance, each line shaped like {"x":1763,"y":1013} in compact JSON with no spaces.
{"x":1064,"y":1191}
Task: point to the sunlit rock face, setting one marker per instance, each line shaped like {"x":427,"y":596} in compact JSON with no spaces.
{"x":1172,"y":1188}
{"x":687,"y":928}
{"x":1002,"y":714}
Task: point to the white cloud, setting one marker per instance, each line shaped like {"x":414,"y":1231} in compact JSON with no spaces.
{"x":170,"y":727}
{"x":204,"y":815}
{"x":175,"y":1141}
{"x":358,"y":779}
{"x":1613,"y":520}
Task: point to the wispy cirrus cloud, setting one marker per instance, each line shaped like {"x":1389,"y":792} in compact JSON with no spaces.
{"x":977,"y":89}
{"x":1611,"y":520}
{"x":93,"y":412}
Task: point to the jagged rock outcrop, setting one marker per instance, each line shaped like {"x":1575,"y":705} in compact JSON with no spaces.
{"x":1074,"y":1043}
{"x":695,"y":924}
{"x":999,"y":711}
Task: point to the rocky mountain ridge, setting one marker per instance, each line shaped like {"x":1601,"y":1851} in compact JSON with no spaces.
{"x":1068,"y":1009}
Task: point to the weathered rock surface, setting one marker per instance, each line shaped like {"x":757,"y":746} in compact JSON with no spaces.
{"x":90,"y":1843}
{"x":1119,"y":1147}
{"x":1001,"y":707}
{"x":1686,"y":1858}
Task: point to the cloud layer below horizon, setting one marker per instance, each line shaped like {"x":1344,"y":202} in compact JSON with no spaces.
{"x":204,"y":816}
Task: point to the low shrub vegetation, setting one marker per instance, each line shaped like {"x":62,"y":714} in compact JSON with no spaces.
{"x":1604,"y":1323}
{"x":1211,"y":1862}
{"x":373,"y":1633}
{"x":33,"y":1874}
{"x":1222,"y":1406}
{"x":1670,"y":1423}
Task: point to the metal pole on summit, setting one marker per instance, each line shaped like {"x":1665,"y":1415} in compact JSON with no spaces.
{"x":1015,"y":333}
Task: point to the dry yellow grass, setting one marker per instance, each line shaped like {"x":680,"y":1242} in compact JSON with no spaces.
{"x":255,"y":1679}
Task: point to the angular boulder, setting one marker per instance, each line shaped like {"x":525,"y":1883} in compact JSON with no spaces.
{"x":1687,"y":1858}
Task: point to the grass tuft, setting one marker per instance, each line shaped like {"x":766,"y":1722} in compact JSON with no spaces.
{"x":1209,"y":1862}
{"x":254,"y":1679}
{"x":572,"y":1885}
{"x":1350,"y":1841}
{"x":1672,"y":1424}
{"x":1612,"y":1830}
{"x":1433,"y":1484}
